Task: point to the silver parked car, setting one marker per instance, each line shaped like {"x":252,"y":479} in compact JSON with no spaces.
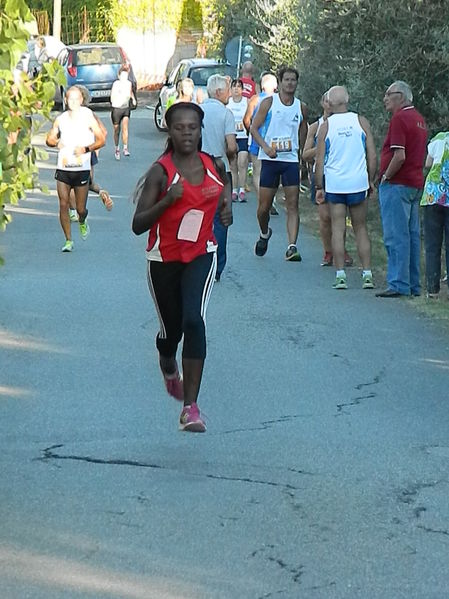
{"x":197,"y":69}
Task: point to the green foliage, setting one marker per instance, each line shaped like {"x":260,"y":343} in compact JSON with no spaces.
{"x":143,"y":15}
{"x":19,"y":101}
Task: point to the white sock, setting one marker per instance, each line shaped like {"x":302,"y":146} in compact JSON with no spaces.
{"x":340,"y":273}
{"x":265,"y":235}
{"x":235,"y":190}
{"x":367,"y":272}
{"x":242,"y":189}
{"x":117,"y":148}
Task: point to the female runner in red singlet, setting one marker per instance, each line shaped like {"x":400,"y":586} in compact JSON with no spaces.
{"x":176,"y":202}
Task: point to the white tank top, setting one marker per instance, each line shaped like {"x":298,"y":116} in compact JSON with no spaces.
{"x":121,"y":93}
{"x":74,"y":129}
{"x":345,"y":169}
{"x":282,"y":130}
{"x":238,"y":109}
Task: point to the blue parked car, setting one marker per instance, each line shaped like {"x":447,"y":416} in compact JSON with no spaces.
{"x":94,"y":65}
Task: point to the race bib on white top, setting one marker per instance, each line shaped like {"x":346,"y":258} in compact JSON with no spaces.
{"x":68,"y":160}
{"x":281,"y":144}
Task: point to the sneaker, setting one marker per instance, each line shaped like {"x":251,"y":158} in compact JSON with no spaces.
{"x":367,"y":282}
{"x":174,"y":385}
{"x":84,"y":230}
{"x":433,"y":295}
{"x":234,"y":196}
{"x":126,"y":152}
{"x":274,"y":208}
{"x":349,"y":261}
{"x":73,"y":215}
{"x":261,"y":246}
{"x":292,"y":254}
{"x":106,"y":199}
{"x":250,"y":169}
{"x":68,"y":246}
{"x":340,"y":283}
{"x":117,"y":154}
{"x":327,"y":259}
{"x":190,"y":420}
{"x":242,"y":196}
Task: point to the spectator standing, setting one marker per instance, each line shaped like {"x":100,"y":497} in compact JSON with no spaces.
{"x":435,"y":203}
{"x":219,"y":140}
{"x":401,"y":182}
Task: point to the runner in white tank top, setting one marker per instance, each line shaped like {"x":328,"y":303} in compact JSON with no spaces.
{"x":239,"y":164}
{"x":347,"y":156}
{"x":76,"y":134}
{"x":279,"y":152}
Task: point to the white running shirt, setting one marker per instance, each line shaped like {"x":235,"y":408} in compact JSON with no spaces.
{"x":121,"y":93}
{"x":75,"y":130}
{"x":282,"y":130}
{"x":238,"y":109}
{"x":345,"y":169}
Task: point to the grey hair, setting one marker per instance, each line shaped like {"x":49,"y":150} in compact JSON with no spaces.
{"x":215,"y":83}
{"x":337,"y":94}
{"x":268,"y":79}
{"x":405,"y":89}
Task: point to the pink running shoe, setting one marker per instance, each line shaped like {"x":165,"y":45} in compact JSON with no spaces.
{"x":173,"y":384}
{"x":242,"y":196}
{"x":191,"y":421}
{"x":234,"y":196}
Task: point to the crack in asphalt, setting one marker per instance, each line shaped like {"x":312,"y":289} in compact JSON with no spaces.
{"x":409,"y":494}
{"x":49,"y":454}
{"x":434,"y":530}
{"x":295,"y":571}
{"x":356,"y":401}
{"x":266,"y":425}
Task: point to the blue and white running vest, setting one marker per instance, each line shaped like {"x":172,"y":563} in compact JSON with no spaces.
{"x":345,"y":169}
{"x":282,"y":131}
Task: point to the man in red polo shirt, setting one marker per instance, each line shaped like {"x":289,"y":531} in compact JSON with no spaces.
{"x":401,"y":182}
{"x":247,"y":78}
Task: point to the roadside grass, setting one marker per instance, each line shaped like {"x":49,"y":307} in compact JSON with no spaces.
{"x":435,"y":309}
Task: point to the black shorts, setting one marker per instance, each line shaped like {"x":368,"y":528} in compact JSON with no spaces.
{"x":242,"y":144}
{"x":118,"y":114}
{"x":73,"y":178}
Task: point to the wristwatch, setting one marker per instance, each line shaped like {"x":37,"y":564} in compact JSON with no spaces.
{"x":86,"y":149}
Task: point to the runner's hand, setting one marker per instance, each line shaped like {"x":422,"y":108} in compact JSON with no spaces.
{"x":271,"y":152}
{"x":79,"y":150}
{"x":226,"y":213}
{"x":319,"y":196}
{"x":174,"y":192}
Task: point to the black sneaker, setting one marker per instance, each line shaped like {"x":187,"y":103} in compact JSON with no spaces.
{"x":262,"y":245}
{"x":292,"y":254}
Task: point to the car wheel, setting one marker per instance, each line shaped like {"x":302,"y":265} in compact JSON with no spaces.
{"x":159,"y":118}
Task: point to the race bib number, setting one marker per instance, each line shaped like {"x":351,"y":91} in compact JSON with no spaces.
{"x":281,"y":144}
{"x":68,"y":159}
{"x":239,"y":127}
{"x":190,"y":226}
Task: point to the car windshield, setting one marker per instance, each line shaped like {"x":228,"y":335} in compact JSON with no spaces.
{"x":200,"y":75}
{"x":90,"y":56}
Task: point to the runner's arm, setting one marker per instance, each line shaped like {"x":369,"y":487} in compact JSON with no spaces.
{"x":52,"y":139}
{"x":258,"y":121}
{"x":303,"y":127}
{"x":148,"y":191}
{"x":249,"y":113}
{"x":319,"y":162}
{"x":371,"y":158}
{"x":225,"y":201}
{"x":309,"y":149}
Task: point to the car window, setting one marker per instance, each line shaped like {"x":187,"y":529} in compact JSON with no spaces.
{"x":173,"y":74}
{"x":200,"y":75}
{"x":91,"y":56}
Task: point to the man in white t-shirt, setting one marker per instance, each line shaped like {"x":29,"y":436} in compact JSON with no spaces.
{"x":121,"y":96}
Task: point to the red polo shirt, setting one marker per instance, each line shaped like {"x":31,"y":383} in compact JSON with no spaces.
{"x":408,"y":131}
{"x":249,"y":87}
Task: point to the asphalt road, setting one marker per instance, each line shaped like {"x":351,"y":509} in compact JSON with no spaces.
{"x":324,"y":470}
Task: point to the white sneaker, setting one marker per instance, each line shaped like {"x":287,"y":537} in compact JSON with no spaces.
{"x":73,"y":215}
{"x":117,"y":154}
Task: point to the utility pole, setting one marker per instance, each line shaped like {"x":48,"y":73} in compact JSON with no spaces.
{"x":57,"y":19}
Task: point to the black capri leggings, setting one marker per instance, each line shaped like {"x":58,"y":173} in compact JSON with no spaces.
{"x":181,"y":293}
